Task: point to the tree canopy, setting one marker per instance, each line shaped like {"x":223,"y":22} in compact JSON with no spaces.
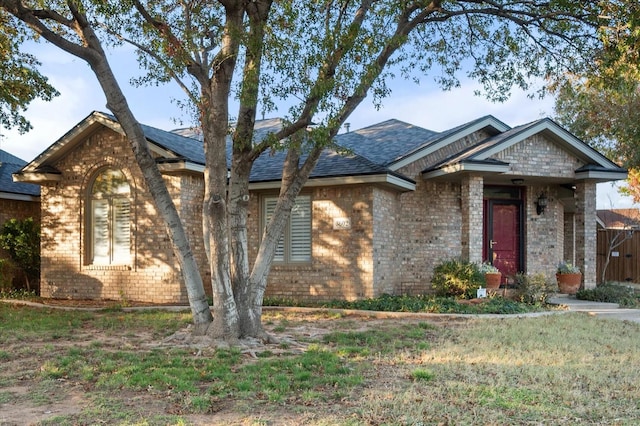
{"x":313,"y":62}
{"x":20,"y":80}
{"x":601,"y":104}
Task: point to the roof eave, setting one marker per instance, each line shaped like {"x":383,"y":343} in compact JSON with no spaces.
{"x":79,"y":132}
{"x":19,"y":197}
{"x":458,"y":168}
{"x":384,"y":179}
{"x":36,"y":177}
{"x":180,"y":167}
{"x":599,"y":176}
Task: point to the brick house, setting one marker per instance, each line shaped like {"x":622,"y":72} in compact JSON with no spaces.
{"x":17,"y":201}
{"x":374,"y":221}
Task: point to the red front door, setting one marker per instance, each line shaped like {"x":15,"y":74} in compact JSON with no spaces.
{"x":503,"y":236}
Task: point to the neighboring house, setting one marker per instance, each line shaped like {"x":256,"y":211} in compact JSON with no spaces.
{"x":375,"y":221}
{"x":619,"y":241}
{"x":17,"y":201}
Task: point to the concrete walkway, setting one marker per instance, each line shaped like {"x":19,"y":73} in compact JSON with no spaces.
{"x":600,"y":309}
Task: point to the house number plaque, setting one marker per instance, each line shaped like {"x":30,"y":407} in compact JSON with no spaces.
{"x":341,"y":223}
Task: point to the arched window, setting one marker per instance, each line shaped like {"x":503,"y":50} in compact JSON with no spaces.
{"x":110,"y":218}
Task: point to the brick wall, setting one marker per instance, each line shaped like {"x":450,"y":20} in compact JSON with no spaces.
{"x":471,"y":194}
{"x":586,"y":232}
{"x":152,"y":275}
{"x":386,"y":244}
{"x":15,"y":209}
{"x":545,"y":233}
{"x":430,"y":231}
{"x":342,"y":265}
{"x":537,"y":156}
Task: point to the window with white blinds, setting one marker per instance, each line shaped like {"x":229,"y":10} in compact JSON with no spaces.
{"x":295,"y":243}
{"x":110,"y":219}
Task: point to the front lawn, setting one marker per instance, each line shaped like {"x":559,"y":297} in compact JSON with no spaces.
{"x":115,"y":367}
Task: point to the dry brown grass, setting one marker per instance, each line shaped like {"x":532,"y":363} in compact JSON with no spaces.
{"x":556,"y":369}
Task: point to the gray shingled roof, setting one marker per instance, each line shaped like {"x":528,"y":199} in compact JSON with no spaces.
{"x":182,"y":146}
{"x":386,"y":142}
{"x":10,"y":164}
{"x":268,"y":167}
{"x":373,"y":150}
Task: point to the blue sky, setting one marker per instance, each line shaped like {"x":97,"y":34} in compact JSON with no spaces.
{"x":424,"y":105}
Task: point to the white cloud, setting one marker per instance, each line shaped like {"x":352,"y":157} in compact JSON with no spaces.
{"x":438,"y":110}
{"x":608,"y":197}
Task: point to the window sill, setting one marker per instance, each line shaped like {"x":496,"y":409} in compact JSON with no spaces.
{"x":108,"y":267}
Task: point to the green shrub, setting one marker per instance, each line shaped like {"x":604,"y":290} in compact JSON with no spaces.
{"x":7,"y":272}
{"x":457,"y":278}
{"x":533,"y":289}
{"x":21,"y":239}
{"x":432,"y":304}
{"x":611,"y":293}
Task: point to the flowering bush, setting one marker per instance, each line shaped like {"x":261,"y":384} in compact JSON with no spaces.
{"x":457,"y":278}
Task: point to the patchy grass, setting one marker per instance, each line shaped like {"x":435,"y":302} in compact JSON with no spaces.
{"x":108,"y":368}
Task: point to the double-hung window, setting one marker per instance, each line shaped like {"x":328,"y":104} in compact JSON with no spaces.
{"x":295,"y":243}
{"x":109,"y":219}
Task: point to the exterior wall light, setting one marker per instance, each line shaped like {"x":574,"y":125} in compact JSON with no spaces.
{"x":541,"y":204}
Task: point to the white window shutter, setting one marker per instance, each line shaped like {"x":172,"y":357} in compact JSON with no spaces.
{"x":300,"y":230}
{"x":100,"y":231}
{"x":121,"y":231}
{"x":270,"y":207}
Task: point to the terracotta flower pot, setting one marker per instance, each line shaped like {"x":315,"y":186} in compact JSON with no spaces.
{"x":492,"y":279}
{"x":569,"y":283}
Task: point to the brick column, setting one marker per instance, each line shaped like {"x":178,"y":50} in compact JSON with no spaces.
{"x":586,"y":232}
{"x":471,"y":193}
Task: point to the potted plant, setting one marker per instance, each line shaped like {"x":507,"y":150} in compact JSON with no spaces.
{"x":492,"y":275}
{"x":568,"y":277}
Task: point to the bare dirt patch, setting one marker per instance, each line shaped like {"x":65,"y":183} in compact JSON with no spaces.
{"x":26,"y":398}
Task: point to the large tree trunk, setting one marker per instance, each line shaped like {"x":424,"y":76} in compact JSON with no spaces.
{"x":116,"y":102}
{"x":244,"y":156}
{"x":214,"y":116}
{"x":91,"y":51}
{"x":238,"y":211}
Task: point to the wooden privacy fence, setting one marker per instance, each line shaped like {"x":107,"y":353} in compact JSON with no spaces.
{"x":624,"y":264}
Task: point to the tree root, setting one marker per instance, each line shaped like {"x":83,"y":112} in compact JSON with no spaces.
{"x":251,"y":346}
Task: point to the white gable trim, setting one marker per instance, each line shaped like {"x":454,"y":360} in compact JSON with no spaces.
{"x":575,"y":145}
{"x":383,"y":179}
{"x":467,"y":167}
{"x":36,"y":177}
{"x":488,"y":121}
{"x":66,"y":143}
{"x":181,"y":166}
{"x":601,"y":175}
